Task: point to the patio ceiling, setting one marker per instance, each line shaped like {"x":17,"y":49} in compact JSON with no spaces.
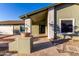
{"x":39,"y":17}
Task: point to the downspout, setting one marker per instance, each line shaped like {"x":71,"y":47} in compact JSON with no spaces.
{"x":13,"y":30}
{"x":55,"y":24}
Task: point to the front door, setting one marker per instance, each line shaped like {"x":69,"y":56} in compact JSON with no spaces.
{"x":41,"y":29}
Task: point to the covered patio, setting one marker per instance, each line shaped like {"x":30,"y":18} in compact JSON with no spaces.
{"x":39,"y":27}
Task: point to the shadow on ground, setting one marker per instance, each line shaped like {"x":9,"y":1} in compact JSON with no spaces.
{"x":3,"y":50}
{"x":4,"y":36}
{"x":40,"y":46}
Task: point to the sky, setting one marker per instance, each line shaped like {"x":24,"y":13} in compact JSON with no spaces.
{"x":12,"y":11}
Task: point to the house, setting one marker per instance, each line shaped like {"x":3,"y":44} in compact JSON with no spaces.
{"x":11,"y":27}
{"x":55,"y":20}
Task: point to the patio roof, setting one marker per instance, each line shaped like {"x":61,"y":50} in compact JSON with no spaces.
{"x":37,"y":11}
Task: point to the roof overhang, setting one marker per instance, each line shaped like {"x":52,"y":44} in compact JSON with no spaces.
{"x":12,"y":22}
{"x":39,"y":17}
{"x":37,"y":11}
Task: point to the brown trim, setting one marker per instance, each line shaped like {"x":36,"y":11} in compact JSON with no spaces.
{"x":11,"y":22}
{"x":36,"y":12}
{"x":40,"y":10}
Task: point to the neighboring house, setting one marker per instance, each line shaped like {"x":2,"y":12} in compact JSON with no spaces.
{"x":11,"y":27}
{"x":62,"y":18}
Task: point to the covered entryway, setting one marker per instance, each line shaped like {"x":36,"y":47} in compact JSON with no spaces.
{"x":39,"y":23}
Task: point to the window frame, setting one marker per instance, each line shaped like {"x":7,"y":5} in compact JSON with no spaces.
{"x":73,"y":21}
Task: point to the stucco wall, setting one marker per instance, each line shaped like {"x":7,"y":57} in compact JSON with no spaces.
{"x":63,"y":11}
{"x":66,"y":11}
{"x":22,"y":45}
{"x":69,"y":11}
{"x":6,"y":29}
{"x":16,"y":29}
{"x":46,"y":30}
{"x":35,"y":30}
{"x":50,"y":23}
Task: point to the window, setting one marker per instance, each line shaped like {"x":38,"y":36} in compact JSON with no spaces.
{"x":67,"y":25}
{"x":22,"y":28}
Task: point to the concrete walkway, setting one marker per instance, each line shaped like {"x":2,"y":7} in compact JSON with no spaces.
{"x":43,"y":47}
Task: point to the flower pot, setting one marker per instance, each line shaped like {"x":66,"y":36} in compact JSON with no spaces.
{"x":23,"y":34}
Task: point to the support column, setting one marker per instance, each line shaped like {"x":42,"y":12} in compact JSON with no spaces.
{"x":28,"y":26}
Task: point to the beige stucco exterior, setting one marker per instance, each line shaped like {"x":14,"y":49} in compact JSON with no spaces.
{"x":16,"y":27}
{"x":71,"y":11}
{"x":68,"y":11}
{"x":38,"y":18}
{"x":23,"y":45}
{"x":63,"y":11}
{"x":35,"y":30}
{"x":9,"y":29}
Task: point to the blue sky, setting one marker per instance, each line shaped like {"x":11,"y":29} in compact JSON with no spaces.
{"x":12,"y":11}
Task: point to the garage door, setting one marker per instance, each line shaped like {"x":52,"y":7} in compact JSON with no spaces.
{"x":6,"y":29}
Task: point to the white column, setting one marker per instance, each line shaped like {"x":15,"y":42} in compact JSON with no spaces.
{"x":28,"y":25}
{"x":50,"y":23}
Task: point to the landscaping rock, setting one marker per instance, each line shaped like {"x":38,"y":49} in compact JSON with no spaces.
{"x":71,"y":48}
